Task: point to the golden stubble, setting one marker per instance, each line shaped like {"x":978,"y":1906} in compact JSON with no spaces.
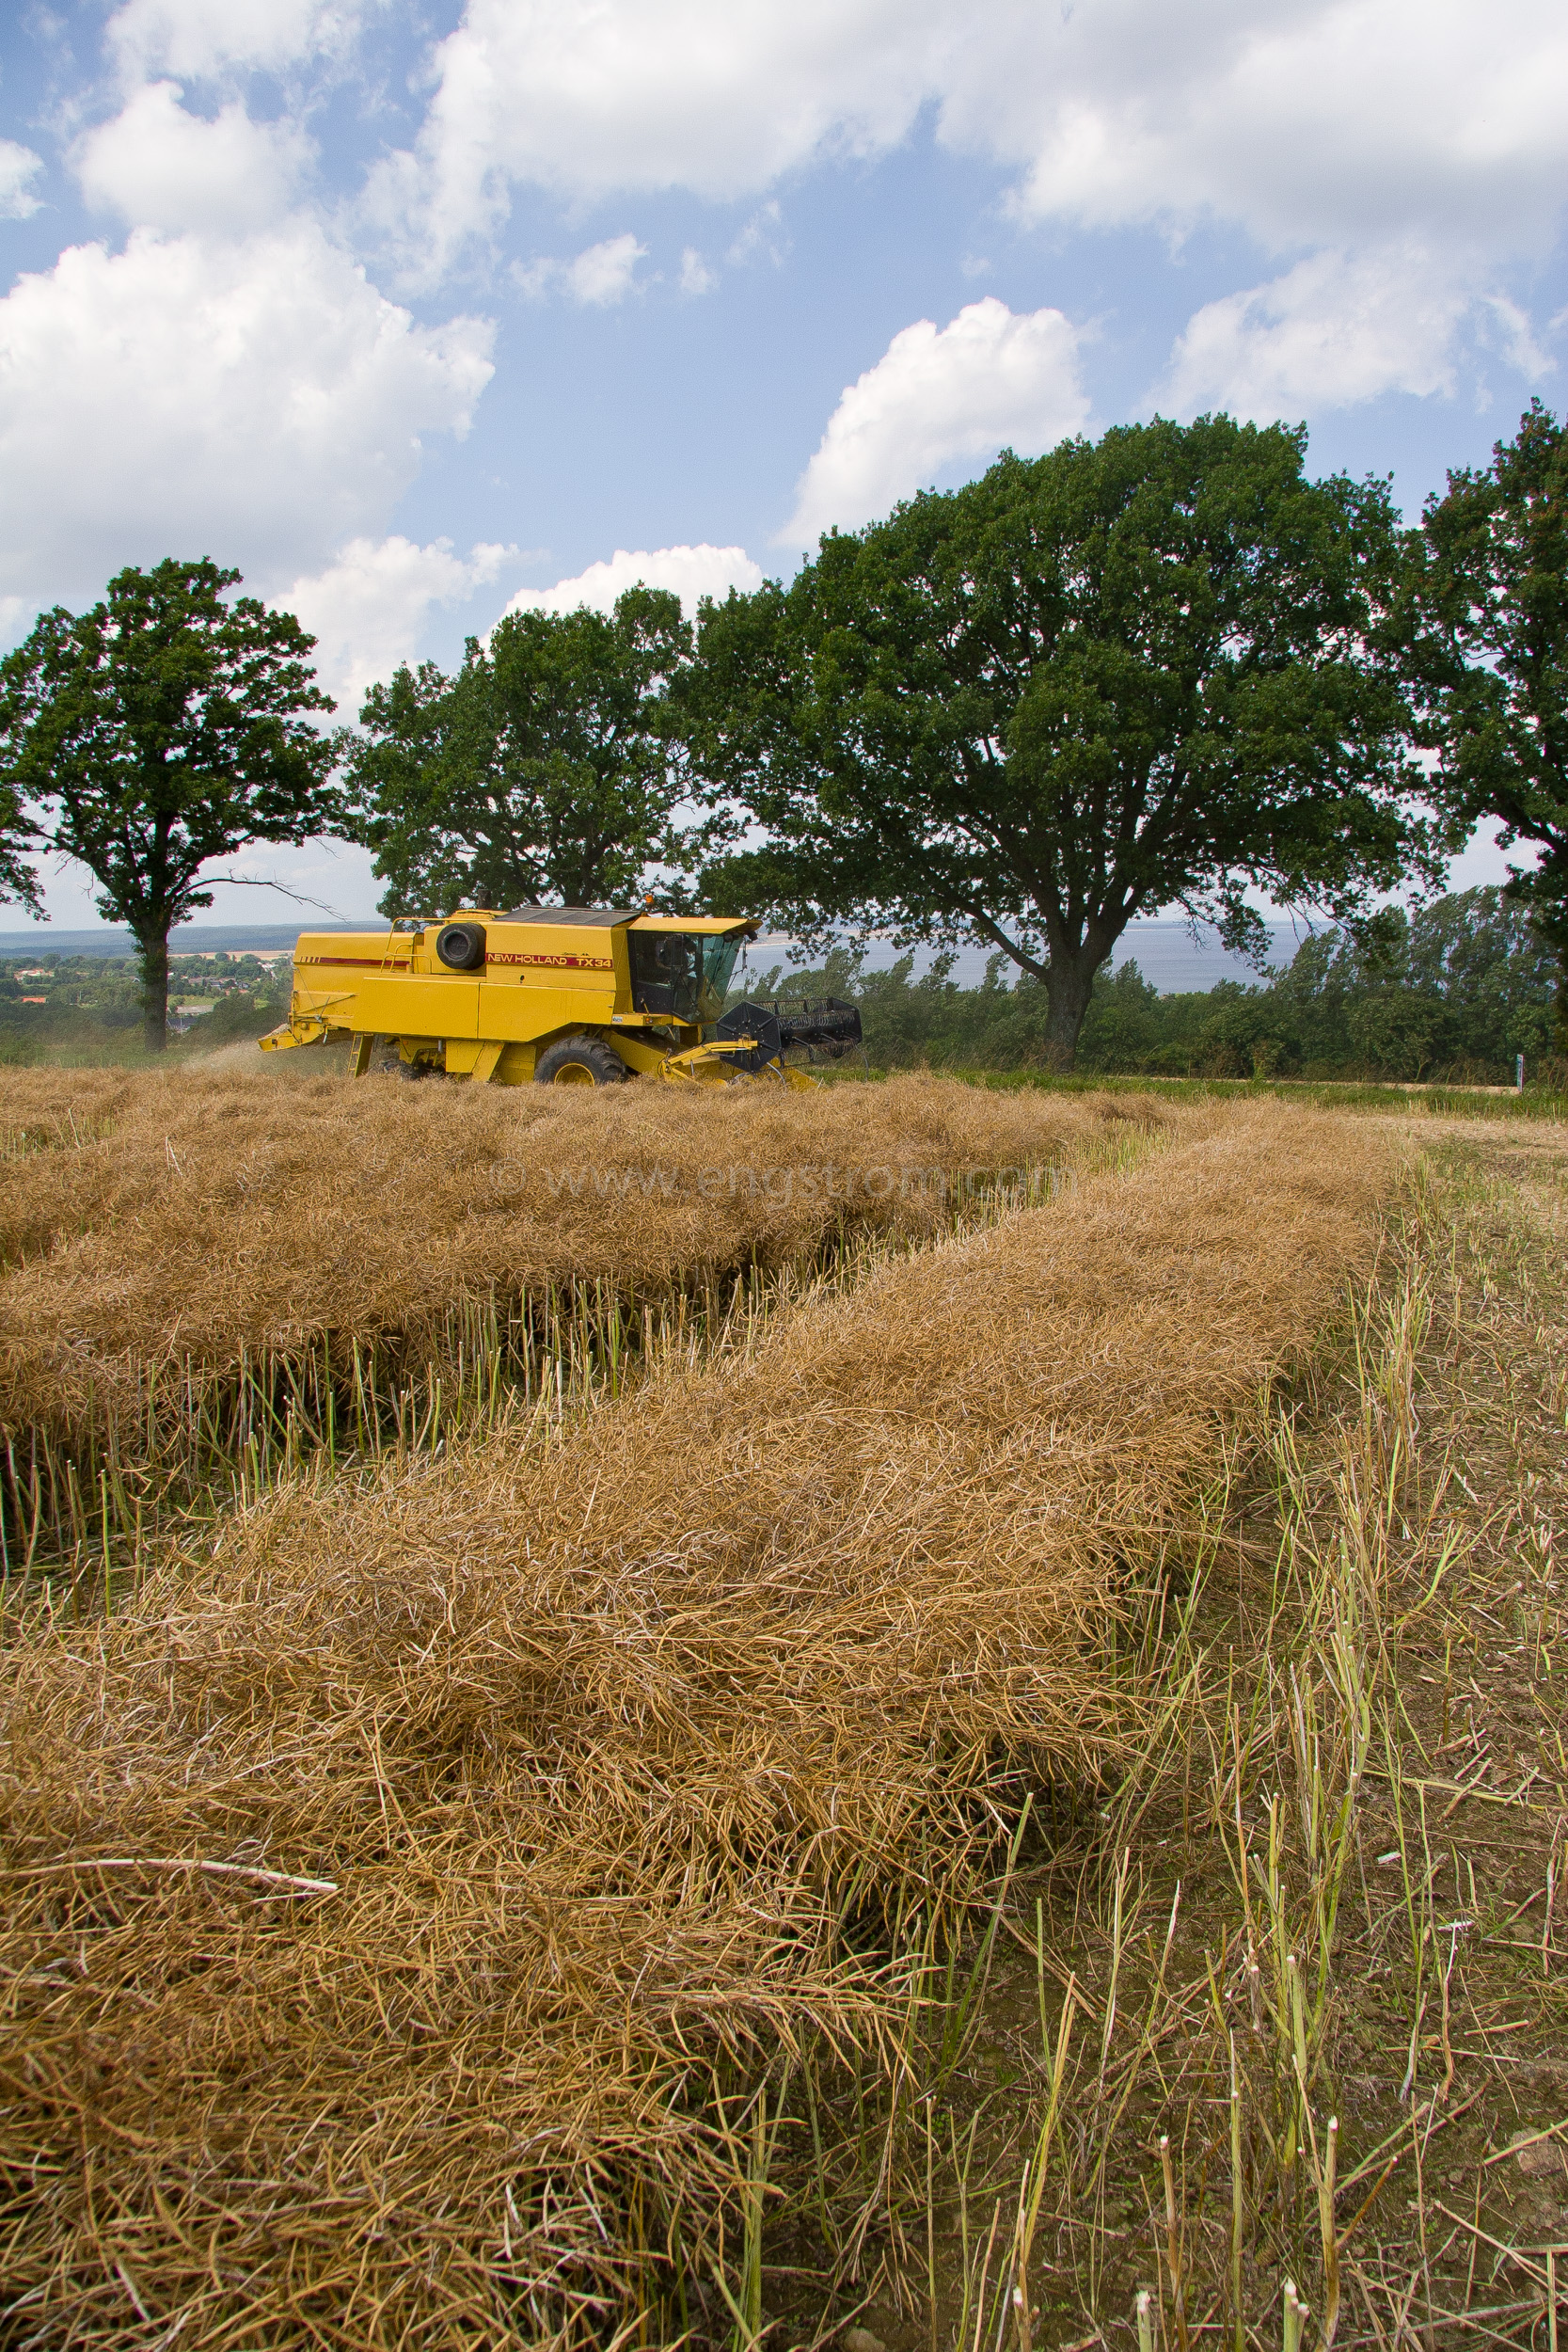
{"x":599,"y":1739}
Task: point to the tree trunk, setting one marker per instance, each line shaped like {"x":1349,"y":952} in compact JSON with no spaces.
{"x":1069,"y":987}
{"x":153,"y":955}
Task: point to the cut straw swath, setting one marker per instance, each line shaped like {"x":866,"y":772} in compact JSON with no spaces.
{"x":208,"y":1272}
{"x":599,"y":1787}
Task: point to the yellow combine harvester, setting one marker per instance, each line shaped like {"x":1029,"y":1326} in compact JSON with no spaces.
{"x":566,"y":995}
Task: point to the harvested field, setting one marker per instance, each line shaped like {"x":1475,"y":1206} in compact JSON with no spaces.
{"x":215,"y":1212}
{"x":197,"y":1264}
{"x":1271,"y":2046}
{"x":395,"y":1895}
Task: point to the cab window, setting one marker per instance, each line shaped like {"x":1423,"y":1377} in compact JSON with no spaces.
{"x":666,"y":974}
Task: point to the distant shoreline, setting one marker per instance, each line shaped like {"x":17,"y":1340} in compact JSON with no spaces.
{"x":1161,"y":945}
{"x":190,"y":939}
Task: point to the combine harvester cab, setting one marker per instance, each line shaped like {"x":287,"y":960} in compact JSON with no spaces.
{"x":565,"y":996}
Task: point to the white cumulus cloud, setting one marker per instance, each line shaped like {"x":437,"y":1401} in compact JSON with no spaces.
{"x":1303,"y":122}
{"x":19,"y":166}
{"x":367,"y":608}
{"x":601,"y":276}
{"x":720,"y":96}
{"x":696,"y":277}
{"x":1321,"y":121}
{"x":763,"y":238}
{"x":690,"y":573}
{"x":990,"y":380}
{"x":1337,"y":128}
{"x":258,"y":400}
{"x":606,"y":273}
{"x":1338,"y":328}
{"x":205,"y":38}
{"x":163,"y":167}
{"x":1502,"y":322}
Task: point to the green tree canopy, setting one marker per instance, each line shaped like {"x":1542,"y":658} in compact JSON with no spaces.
{"x":161,"y":730}
{"x":1490,"y":654}
{"x":1463,"y":983}
{"x":546,"y":768}
{"x":1455,"y":990}
{"x":1135,"y":674}
{"x":19,"y":883}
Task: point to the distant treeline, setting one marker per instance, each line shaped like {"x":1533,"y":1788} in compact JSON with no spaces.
{"x":1164,"y":669}
{"x":1454,"y":992}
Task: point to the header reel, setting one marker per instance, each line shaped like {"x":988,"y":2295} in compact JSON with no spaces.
{"x":830,"y":1027}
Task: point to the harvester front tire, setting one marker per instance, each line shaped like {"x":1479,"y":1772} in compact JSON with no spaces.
{"x":579,"y":1061}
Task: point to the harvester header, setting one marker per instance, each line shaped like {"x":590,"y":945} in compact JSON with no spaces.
{"x":562,"y":995}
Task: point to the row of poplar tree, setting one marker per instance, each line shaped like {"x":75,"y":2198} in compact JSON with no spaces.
{"x":1163,"y":669}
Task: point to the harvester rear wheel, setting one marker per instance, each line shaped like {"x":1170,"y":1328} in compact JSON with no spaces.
{"x":579,"y":1061}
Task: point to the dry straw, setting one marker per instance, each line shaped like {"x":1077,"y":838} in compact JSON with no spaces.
{"x":599,"y":1740}
{"x":183,"y":1223}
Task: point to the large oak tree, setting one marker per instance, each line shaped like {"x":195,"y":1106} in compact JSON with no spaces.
{"x":1136,"y":674}
{"x":1490,"y":648}
{"x":163,"y":729}
{"x":546,"y":768}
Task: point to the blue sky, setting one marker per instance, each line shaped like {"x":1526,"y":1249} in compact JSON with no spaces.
{"x":409,"y":311}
